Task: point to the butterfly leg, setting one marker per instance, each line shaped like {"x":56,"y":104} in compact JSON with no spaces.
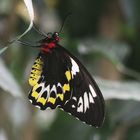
{"x":27,"y":44}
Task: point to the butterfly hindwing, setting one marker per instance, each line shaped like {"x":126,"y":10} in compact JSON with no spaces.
{"x":52,"y":86}
{"x":86,"y":103}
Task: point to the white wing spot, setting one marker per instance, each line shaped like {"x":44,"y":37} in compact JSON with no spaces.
{"x":91,"y":100}
{"x":42,"y":85}
{"x":75,"y":67}
{"x":30,"y":101}
{"x":59,"y":85}
{"x":92,"y":91}
{"x":80,"y":105}
{"x":48,"y":90}
{"x":38,"y":106}
{"x":53,"y":89}
{"x":74,"y":98}
{"x":73,"y":106}
{"x":86,"y":102}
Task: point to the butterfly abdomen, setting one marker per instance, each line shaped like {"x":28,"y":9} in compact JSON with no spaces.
{"x":35,"y":72}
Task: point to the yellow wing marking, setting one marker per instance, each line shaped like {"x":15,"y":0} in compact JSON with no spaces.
{"x":51,"y":100}
{"x":37,"y":66}
{"x":61,"y":96}
{"x":66,"y":87}
{"x":38,"y":61}
{"x":41,"y":100}
{"x":34,"y":94}
{"x":35,"y":72}
{"x":32,"y":81}
{"x":68,"y":75}
{"x":32,"y":75}
{"x":35,"y":87}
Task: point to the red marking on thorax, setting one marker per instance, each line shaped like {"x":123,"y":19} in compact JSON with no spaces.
{"x":47,"y":46}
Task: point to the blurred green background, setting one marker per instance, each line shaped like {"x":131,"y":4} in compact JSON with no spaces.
{"x":104,"y":35}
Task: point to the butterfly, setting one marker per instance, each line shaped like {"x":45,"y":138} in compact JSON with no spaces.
{"x":58,"y":79}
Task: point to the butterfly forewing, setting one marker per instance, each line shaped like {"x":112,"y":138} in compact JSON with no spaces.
{"x":86,"y":103}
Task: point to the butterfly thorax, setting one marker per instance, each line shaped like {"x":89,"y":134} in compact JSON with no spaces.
{"x":49,"y":42}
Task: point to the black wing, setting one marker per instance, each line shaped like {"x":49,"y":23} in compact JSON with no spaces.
{"x":86,"y":103}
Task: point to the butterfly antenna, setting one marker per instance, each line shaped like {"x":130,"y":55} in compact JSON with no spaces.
{"x":39,"y":31}
{"x":65,"y":18}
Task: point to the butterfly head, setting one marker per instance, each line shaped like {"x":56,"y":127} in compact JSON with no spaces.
{"x":50,"y":41}
{"x":52,"y":37}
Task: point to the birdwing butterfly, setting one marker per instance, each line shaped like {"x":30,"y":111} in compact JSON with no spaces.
{"x":58,"y":79}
